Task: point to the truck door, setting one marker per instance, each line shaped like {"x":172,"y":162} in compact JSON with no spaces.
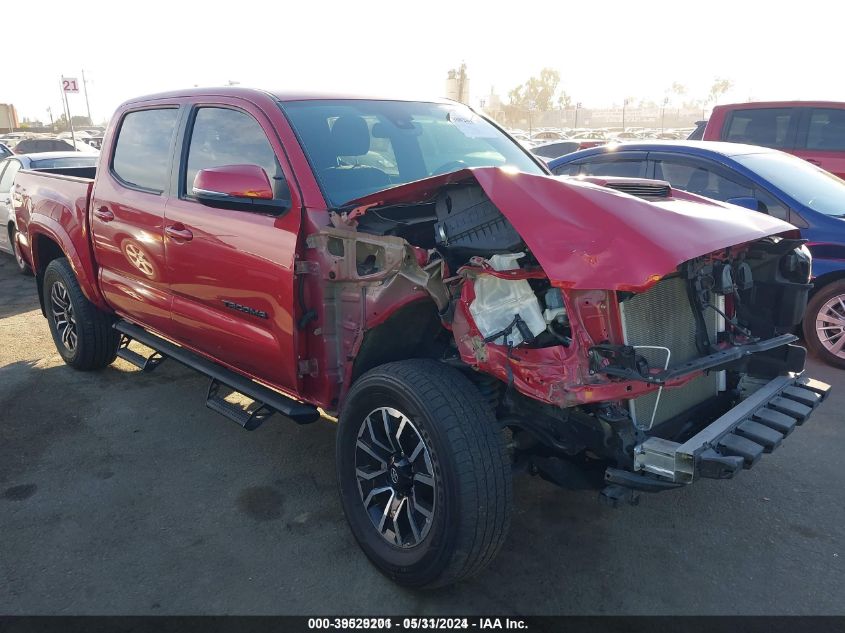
{"x":821,"y":139}
{"x":127,"y":215}
{"x":231,"y":272}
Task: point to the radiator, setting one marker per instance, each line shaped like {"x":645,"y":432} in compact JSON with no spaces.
{"x":662,"y":316}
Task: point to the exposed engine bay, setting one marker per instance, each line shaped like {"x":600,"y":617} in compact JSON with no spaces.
{"x":580,"y":376}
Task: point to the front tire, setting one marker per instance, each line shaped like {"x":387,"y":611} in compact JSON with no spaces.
{"x":824,"y":324}
{"x":423,"y":473}
{"x":83,"y":335}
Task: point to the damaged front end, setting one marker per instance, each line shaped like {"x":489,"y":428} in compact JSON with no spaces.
{"x":627,"y":343}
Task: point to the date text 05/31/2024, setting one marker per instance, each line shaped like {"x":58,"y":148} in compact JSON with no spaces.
{"x":416,"y":623}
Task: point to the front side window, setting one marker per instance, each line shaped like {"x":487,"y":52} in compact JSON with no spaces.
{"x":826,"y":131}
{"x":768,"y":127}
{"x":697,"y":178}
{"x":8,"y":177}
{"x":222,"y":136}
{"x":142,"y":152}
{"x":357,"y":147}
{"x":615,"y":168}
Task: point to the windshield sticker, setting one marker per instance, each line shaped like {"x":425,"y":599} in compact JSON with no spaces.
{"x":471,"y":125}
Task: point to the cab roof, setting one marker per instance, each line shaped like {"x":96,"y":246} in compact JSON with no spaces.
{"x":278,"y":95}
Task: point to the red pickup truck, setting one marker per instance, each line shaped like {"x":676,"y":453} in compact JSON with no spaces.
{"x":409,"y":268}
{"x":812,"y":130}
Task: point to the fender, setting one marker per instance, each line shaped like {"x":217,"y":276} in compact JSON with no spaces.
{"x":43,"y":226}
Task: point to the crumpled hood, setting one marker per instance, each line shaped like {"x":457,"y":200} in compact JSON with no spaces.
{"x":590,"y":237}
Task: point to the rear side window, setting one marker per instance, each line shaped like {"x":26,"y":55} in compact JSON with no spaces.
{"x":768,"y":127}
{"x":567,"y":169}
{"x":222,"y":136}
{"x":826,"y":131}
{"x":142,"y":152}
{"x":696,"y":178}
{"x":59,"y":146}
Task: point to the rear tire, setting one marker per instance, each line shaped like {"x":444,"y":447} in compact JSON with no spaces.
{"x":824,"y":324}
{"x":83,"y":334}
{"x":23,"y":267}
{"x":444,"y":469}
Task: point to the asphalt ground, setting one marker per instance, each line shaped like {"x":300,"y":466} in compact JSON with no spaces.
{"x":121,"y":493}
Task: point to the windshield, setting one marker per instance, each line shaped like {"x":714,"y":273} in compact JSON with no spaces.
{"x":358,"y":147}
{"x":813,"y":187}
{"x":70,"y":161}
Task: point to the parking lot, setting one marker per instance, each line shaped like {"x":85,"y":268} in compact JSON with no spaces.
{"x":121,"y":493}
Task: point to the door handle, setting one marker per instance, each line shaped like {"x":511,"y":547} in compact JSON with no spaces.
{"x":104,"y":214}
{"x":178,"y":232}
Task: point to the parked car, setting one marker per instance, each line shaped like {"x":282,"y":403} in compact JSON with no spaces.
{"x":768,"y":180}
{"x":698,"y":133}
{"x":547,"y":151}
{"x":545,"y":136}
{"x":36,"y":145}
{"x":68,"y":163}
{"x":812,"y":130}
{"x":459,"y":290}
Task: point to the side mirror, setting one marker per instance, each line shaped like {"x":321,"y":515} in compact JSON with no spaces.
{"x":748,"y":202}
{"x":239,"y":187}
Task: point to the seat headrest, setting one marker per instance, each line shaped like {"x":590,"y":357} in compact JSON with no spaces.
{"x":699,"y":180}
{"x":350,"y":136}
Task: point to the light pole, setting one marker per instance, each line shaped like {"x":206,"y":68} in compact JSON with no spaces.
{"x":624,"y":106}
{"x":663,"y":113}
{"x":531,"y":106}
{"x":9,"y":118}
{"x":577,"y":107}
{"x":87,"y":105}
{"x":67,"y":114}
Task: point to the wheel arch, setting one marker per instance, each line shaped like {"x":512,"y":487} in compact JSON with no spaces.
{"x":44,"y":250}
{"x":409,"y":331}
{"x":46,"y":245}
{"x":826,"y":279}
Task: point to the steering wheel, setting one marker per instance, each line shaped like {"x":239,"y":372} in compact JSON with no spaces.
{"x":452,"y":165}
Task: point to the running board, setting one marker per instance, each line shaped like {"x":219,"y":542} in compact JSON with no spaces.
{"x":250,"y":417}
{"x":148,"y":363}
{"x":268,"y":400}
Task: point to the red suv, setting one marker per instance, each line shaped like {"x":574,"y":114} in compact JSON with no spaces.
{"x":813,"y":130}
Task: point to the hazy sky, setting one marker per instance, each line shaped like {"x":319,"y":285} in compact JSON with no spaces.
{"x":604,"y":50}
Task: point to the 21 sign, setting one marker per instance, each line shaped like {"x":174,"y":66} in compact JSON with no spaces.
{"x":70,"y":84}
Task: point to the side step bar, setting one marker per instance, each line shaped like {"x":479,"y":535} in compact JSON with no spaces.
{"x":130,"y":356}
{"x":267,"y":400}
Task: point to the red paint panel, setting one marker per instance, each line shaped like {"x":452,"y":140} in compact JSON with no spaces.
{"x":55,"y":208}
{"x":238,"y":181}
{"x":585,"y":236}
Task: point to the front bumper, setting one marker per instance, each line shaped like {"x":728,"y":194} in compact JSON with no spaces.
{"x":734,"y":441}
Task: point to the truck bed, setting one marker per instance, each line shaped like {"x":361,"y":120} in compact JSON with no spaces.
{"x":59,"y":202}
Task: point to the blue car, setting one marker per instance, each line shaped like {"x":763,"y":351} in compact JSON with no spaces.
{"x":757,"y":178}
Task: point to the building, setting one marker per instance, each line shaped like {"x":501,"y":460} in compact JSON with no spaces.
{"x":457,"y":84}
{"x":8,"y":117}
{"x":492,"y":106}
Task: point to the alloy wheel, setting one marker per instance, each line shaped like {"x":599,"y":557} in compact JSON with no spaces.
{"x":395,"y":477}
{"x":830,"y":325}
{"x":63,"y":316}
